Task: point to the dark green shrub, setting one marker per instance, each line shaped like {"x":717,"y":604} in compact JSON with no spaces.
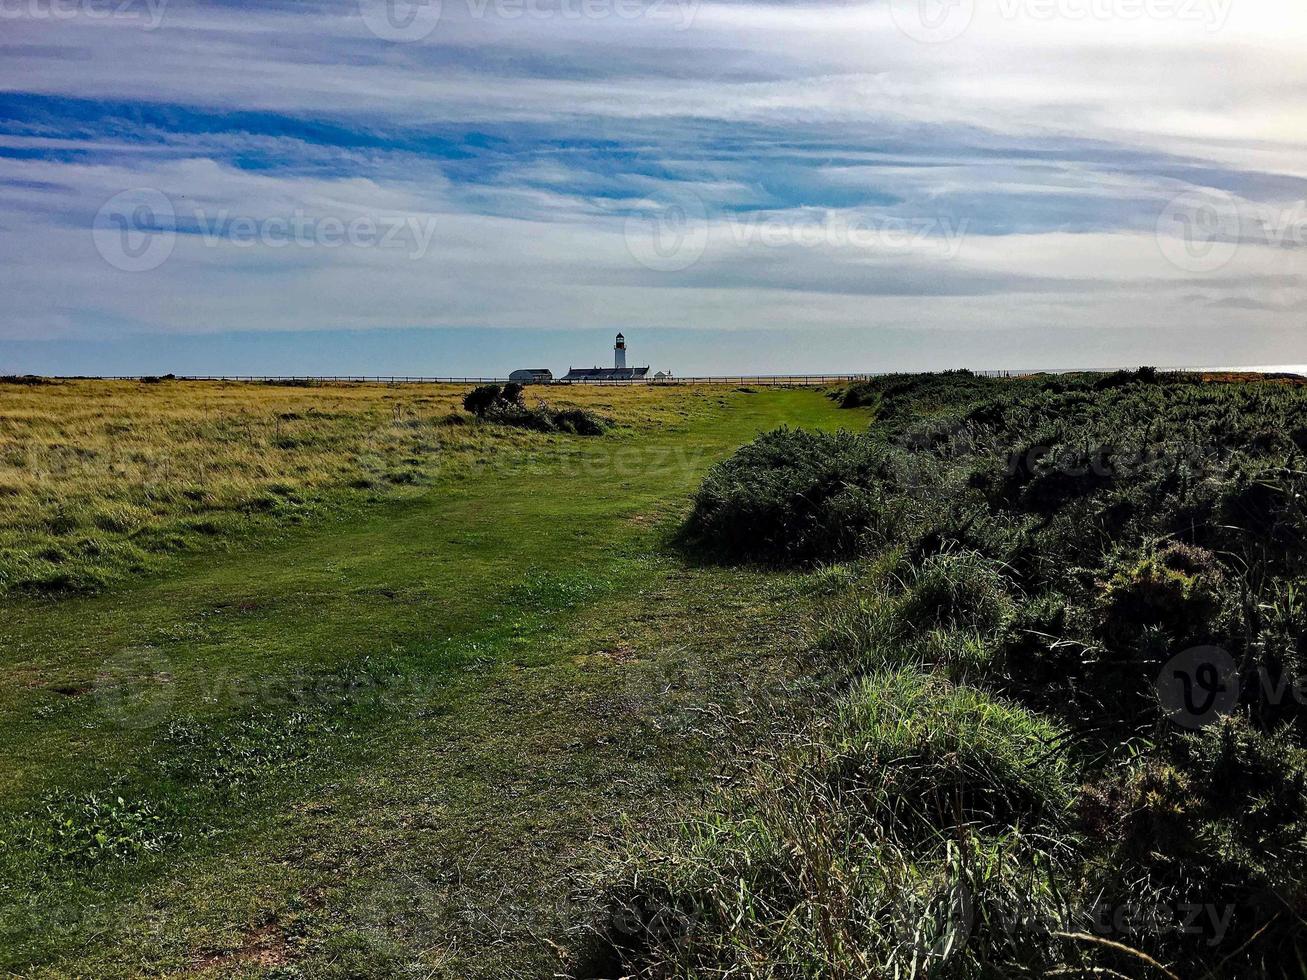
{"x":792,"y":496}
{"x":1107,"y":500}
{"x":1179,"y":589}
{"x":512,"y":394}
{"x":578,"y":422}
{"x":506,"y":406}
{"x":1220,"y":820}
{"x":480,"y":400}
{"x":857,"y":395}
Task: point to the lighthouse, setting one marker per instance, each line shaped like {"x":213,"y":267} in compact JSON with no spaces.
{"x":618,"y":372}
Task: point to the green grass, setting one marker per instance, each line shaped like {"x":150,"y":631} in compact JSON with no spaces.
{"x":100,"y":481}
{"x":377,"y":743}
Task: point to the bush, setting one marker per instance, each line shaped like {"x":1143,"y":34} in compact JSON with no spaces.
{"x":505,"y":406}
{"x":1219,"y":819}
{"x":578,"y":422}
{"x":480,"y":400}
{"x":792,"y":496}
{"x":1055,"y":538}
{"x":1179,"y":589}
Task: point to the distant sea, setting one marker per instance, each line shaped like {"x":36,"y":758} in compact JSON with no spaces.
{"x":1256,"y":368}
{"x":1259,"y":368}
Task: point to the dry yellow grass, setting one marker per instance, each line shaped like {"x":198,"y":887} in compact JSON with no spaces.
{"x":99,"y":478}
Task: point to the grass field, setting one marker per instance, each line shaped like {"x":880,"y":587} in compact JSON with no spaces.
{"x":321,"y":682}
{"x":99,"y":480}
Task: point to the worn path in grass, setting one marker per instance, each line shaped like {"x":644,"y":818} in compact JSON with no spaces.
{"x":380,"y":747}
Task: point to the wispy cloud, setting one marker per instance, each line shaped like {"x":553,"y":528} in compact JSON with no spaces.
{"x":1050,"y":164}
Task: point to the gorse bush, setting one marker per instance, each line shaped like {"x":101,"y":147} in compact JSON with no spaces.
{"x":1036,"y":555}
{"x":1179,"y":589}
{"x":480,"y":401}
{"x":792,"y":496}
{"x":506,"y":406}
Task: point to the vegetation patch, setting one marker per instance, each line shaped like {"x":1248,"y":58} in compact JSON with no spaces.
{"x":506,"y":405}
{"x":793,"y":496}
{"x":1056,"y":593}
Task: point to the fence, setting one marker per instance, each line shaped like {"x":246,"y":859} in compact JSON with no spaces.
{"x":732,"y":379}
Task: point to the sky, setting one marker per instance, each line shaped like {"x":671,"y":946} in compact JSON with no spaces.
{"x":465,"y":187}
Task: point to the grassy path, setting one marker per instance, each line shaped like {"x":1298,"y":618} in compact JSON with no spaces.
{"x":379,"y":747}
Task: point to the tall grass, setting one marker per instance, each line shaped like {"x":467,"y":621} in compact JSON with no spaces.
{"x":101,"y":479}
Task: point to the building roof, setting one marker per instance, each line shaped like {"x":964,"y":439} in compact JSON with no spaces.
{"x":605,"y":374}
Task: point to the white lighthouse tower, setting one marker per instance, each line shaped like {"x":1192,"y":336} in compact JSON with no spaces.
{"x":619,"y":352}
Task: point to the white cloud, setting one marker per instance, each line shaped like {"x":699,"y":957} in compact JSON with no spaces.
{"x":1049,"y":144}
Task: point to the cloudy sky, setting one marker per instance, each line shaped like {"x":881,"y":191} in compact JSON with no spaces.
{"x":469,"y":186}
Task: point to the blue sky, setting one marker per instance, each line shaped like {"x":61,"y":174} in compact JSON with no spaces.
{"x":466,"y":186}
